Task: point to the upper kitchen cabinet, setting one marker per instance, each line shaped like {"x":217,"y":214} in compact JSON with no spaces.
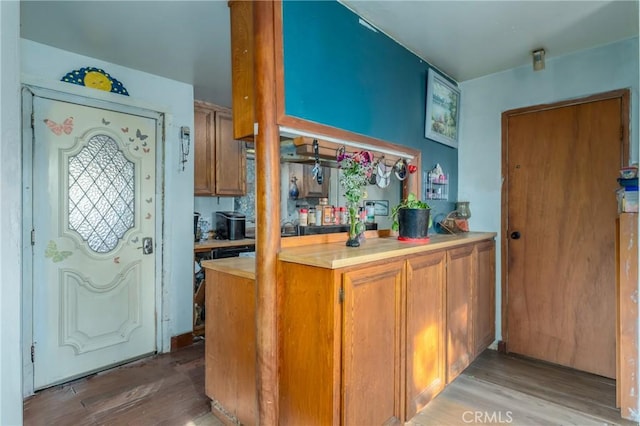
{"x":308,"y":187}
{"x":220,"y":160}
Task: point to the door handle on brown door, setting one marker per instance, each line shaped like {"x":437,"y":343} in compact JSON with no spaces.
{"x":515,"y":235}
{"x":147,"y":245}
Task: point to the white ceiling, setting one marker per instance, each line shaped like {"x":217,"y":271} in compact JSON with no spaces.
{"x":189,"y":40}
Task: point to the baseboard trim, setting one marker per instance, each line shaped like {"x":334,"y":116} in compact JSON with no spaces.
{"x":181,"y":341}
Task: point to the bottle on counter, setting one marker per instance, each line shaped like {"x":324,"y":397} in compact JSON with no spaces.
{"x":318,"y":215}
{"x":343,"y":218}
{"x":370,"y":211}
{"x":303,"y":217}
{"x":311,"y":217}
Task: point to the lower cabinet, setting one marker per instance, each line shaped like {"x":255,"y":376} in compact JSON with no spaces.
{"x":371,"y":350}
{"x":230,"y":347}
{"x":374,"y":343}
{"x":460,"y":278}
{"x":484,"y":296}
{"x":425,"y":345}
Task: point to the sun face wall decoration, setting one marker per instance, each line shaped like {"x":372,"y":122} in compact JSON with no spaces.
{"x":96,"y":79}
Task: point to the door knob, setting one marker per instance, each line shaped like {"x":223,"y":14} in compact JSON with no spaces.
{"x":515,"y":235}
{"x":147,"y":245}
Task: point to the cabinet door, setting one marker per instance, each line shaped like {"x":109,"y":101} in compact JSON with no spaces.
{"x":204,"y":122}
{"x":230,"y":158}
{"x":372,"y":333}
{"x":484,"y":297}
{"x":460,"y":276}
{"x":230,"y":346}
{"x":242,"y":77}
{"x":425,"y":348}
{"x":310,"y":187}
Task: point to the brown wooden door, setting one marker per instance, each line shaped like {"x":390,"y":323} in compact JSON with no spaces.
{"x":425,"y":349}
{"x":372,"y":333}
{"x":459,"y":300}
{"x":562,"y":163}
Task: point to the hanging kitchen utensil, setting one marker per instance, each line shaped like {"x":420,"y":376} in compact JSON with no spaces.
{"x":400,"y":169}
{"x":383,"y":174}
{"x":317,"y":170}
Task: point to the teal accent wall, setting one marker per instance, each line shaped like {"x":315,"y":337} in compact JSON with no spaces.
{"x":340,"y":73}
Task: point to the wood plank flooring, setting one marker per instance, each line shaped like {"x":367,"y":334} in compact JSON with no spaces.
{"x":169,"y":390}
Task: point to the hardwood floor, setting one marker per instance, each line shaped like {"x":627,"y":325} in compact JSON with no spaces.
{"x":169,"y":390}
{"x":505,"y":389}
{"x":164,"y":389}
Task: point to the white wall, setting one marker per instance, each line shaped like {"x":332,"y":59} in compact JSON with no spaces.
{"x":10,"y":216}
{"x":601,"y":69}
{"x":176,"y":99}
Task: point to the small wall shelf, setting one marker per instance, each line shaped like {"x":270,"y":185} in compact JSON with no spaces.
{"x":436,"y":188}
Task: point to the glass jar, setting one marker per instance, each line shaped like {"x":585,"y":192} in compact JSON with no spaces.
{"x":303,"y":217}
{"x":311,"y":217}
{"x":462,"y":207}
{"x":343,"y":218}
{"x":370,"y":209}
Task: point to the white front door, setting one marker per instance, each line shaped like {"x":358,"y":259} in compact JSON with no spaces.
{"x":93,"y":216}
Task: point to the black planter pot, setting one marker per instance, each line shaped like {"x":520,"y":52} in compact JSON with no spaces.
{"x":413,"y":224}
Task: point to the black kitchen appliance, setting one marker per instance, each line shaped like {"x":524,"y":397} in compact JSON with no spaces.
{"x":230,"y":226}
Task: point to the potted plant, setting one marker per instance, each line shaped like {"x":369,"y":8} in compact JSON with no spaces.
{"x":412,"y":219}
{"x":357,"y":168}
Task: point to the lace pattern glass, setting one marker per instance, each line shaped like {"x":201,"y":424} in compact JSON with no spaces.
{"x":101,"y":194}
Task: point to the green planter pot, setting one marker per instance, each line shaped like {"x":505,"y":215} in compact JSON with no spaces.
{"x":413,"y":224}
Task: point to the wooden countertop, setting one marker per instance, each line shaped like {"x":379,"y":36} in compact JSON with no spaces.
{"x":214,"y":244}
{"x":239,"y":266}
{"x":338,"y":255}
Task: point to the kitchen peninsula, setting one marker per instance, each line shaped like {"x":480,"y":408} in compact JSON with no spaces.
{"x":365,"y":336}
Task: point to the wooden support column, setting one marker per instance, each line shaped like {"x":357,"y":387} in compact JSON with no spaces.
{"x":267,"y":213}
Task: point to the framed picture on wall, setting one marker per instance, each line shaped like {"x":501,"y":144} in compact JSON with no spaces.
{"x":443,"y":110}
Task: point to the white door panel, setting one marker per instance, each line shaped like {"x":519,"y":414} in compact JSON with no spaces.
{"x":93,"y":204}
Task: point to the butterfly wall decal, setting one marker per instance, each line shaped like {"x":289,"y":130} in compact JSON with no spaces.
{"x":134,"y":240}
{"x":136,"y":148}
{"x":148,"y":216}
{"x":54,"y":254}
{"x":140,"y":135}
{"x":124,"y":129}
{"x":148,"y":200}
{"x":105,"y":122}
{"x":66,"y":127}
{"x":131,"y":139}
{"x":146,"y":150}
